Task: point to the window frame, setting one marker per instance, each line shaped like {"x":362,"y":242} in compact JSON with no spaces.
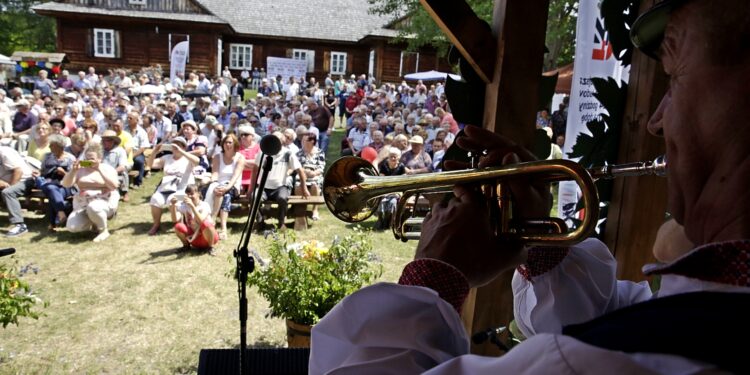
{"x":235,"y":48}
{"x":137,"y":2}
{"x":345,"y":56}
{"x":113,"y":47}
{"x":401,"y":62}
{"x":309,"y":57}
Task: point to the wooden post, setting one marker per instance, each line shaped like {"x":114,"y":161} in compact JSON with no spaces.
{"x":638,"y":204}
{"x":510,"y":109}
{"x":513,"y":74}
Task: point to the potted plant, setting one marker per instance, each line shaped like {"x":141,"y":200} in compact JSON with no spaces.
{"x":304,"y":280}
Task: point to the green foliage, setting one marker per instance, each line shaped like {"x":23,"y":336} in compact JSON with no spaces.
{"x":418,"y":29}
{"x":16,"y":298}
{"x":24,"y":30}
{"x":304,"y":280}
{"x":561,"y":33}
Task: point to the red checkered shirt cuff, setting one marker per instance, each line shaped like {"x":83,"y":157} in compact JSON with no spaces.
{"x":540,"y":260}
{"x":450,"y":284}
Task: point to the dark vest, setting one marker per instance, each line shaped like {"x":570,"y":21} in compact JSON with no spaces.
{"x":706,"y":326}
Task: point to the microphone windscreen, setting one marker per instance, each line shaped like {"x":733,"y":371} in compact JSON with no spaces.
{"x":270,"y":144}
{"x":8,"y":251}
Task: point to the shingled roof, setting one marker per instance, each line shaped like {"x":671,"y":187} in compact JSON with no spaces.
{"x":53,"y":6}
{"x":334,"y":20}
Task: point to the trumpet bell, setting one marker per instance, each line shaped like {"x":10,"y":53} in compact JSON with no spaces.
{"x":343,"y":194}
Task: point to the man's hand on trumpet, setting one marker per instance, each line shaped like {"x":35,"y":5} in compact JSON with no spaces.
{"x":460,"y":232}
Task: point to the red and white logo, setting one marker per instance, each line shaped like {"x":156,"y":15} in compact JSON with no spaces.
{"x":602,"y":47}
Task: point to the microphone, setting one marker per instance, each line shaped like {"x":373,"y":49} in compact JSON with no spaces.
{"x":482,"y":336}
{"x":270,"y":144}
{"x":8,"y":251}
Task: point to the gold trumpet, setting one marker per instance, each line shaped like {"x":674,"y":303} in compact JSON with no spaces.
{"x":352,"y":189}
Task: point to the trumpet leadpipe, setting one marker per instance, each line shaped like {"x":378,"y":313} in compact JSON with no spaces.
{"x":657,"y":167}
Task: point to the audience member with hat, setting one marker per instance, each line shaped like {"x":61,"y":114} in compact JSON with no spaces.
{"x":115,"y":156}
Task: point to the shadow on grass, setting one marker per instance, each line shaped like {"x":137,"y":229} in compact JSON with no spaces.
{"x":140,"y":227}
{"x":38,"y":228}
{"x":169,"y":255}
{"x":261,"y":343}
{"x":186,"y":369}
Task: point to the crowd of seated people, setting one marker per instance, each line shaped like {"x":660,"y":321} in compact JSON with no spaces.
{"x":86,"y":143}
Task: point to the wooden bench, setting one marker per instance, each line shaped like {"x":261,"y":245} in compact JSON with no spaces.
{"x":298,"y":207}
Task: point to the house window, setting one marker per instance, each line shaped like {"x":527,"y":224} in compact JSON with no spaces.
{"x":409,"y":63}
{"x":137,"y":2}
{"x":338,"y":62}
{"x":104,"y":43}
{"x":240,"y":56}
{"x":307,"y":55}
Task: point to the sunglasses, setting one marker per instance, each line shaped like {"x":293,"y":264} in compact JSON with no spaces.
{"x":244,"y":135}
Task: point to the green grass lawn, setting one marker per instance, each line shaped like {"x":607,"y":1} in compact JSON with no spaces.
{"x":133,"y":305}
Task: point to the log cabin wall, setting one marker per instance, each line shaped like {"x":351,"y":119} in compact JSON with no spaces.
{"x":141,"y":31}
{"x":140,"y":44}
{"x":387,"y":61}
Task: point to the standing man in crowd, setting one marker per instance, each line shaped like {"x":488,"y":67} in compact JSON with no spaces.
{"x":323,"y":120}
{"x":236,"y":93}
{"x":578,"y":319}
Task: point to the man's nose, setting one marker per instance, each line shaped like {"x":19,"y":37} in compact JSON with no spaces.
{"x":655,"y":123}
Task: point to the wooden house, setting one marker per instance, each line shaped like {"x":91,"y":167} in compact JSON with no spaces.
{"x":334,"y":36}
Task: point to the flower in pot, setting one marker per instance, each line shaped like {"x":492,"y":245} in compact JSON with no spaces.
{"x":304,"y":280}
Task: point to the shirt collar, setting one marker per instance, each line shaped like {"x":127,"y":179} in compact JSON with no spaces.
{"x":721,"y":262}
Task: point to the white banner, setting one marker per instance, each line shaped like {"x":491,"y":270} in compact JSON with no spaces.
{"x":179,"y":56}
{"x":594,"y":58}
{"x":279,"y":66}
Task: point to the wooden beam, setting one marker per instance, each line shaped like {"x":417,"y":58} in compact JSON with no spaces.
{"x":511,"y":98}
{"x":510,"y":109}
{"x":468,"y":33}
{"x":638,"y":204}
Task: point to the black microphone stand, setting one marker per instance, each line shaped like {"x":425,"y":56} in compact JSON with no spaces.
{"x":246,"y":263}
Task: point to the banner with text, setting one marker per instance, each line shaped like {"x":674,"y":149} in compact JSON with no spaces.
{"x":179,"y":57}
{"x":279,"y":66}
{"x":594,"y":58}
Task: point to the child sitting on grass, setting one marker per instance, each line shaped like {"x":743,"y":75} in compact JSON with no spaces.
{"x":194,"y":226}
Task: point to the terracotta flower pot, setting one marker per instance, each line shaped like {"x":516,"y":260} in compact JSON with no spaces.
{"x":297,"y":335}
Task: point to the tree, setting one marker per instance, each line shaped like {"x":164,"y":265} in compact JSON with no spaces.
{"x":22,"y":29}
{"x":417,"y":28}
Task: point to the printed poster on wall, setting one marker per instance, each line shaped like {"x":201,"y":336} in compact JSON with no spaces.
{"x":179,"y":57}
{"x":279,"y":66}
{"x":594,"y":58}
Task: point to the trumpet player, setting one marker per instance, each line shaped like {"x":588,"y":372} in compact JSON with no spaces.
{"x":578,"y":318}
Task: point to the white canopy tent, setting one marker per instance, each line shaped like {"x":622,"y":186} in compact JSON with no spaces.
{"x":432,"y":75}
{"x":5,"y":60}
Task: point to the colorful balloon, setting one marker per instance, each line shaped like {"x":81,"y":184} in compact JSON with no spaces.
{"x":56,"y":69}
{"x":19,"y":68}
{"x":24,"y":64}
{"x":31,"y":64}
{"x":41,"y":64}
